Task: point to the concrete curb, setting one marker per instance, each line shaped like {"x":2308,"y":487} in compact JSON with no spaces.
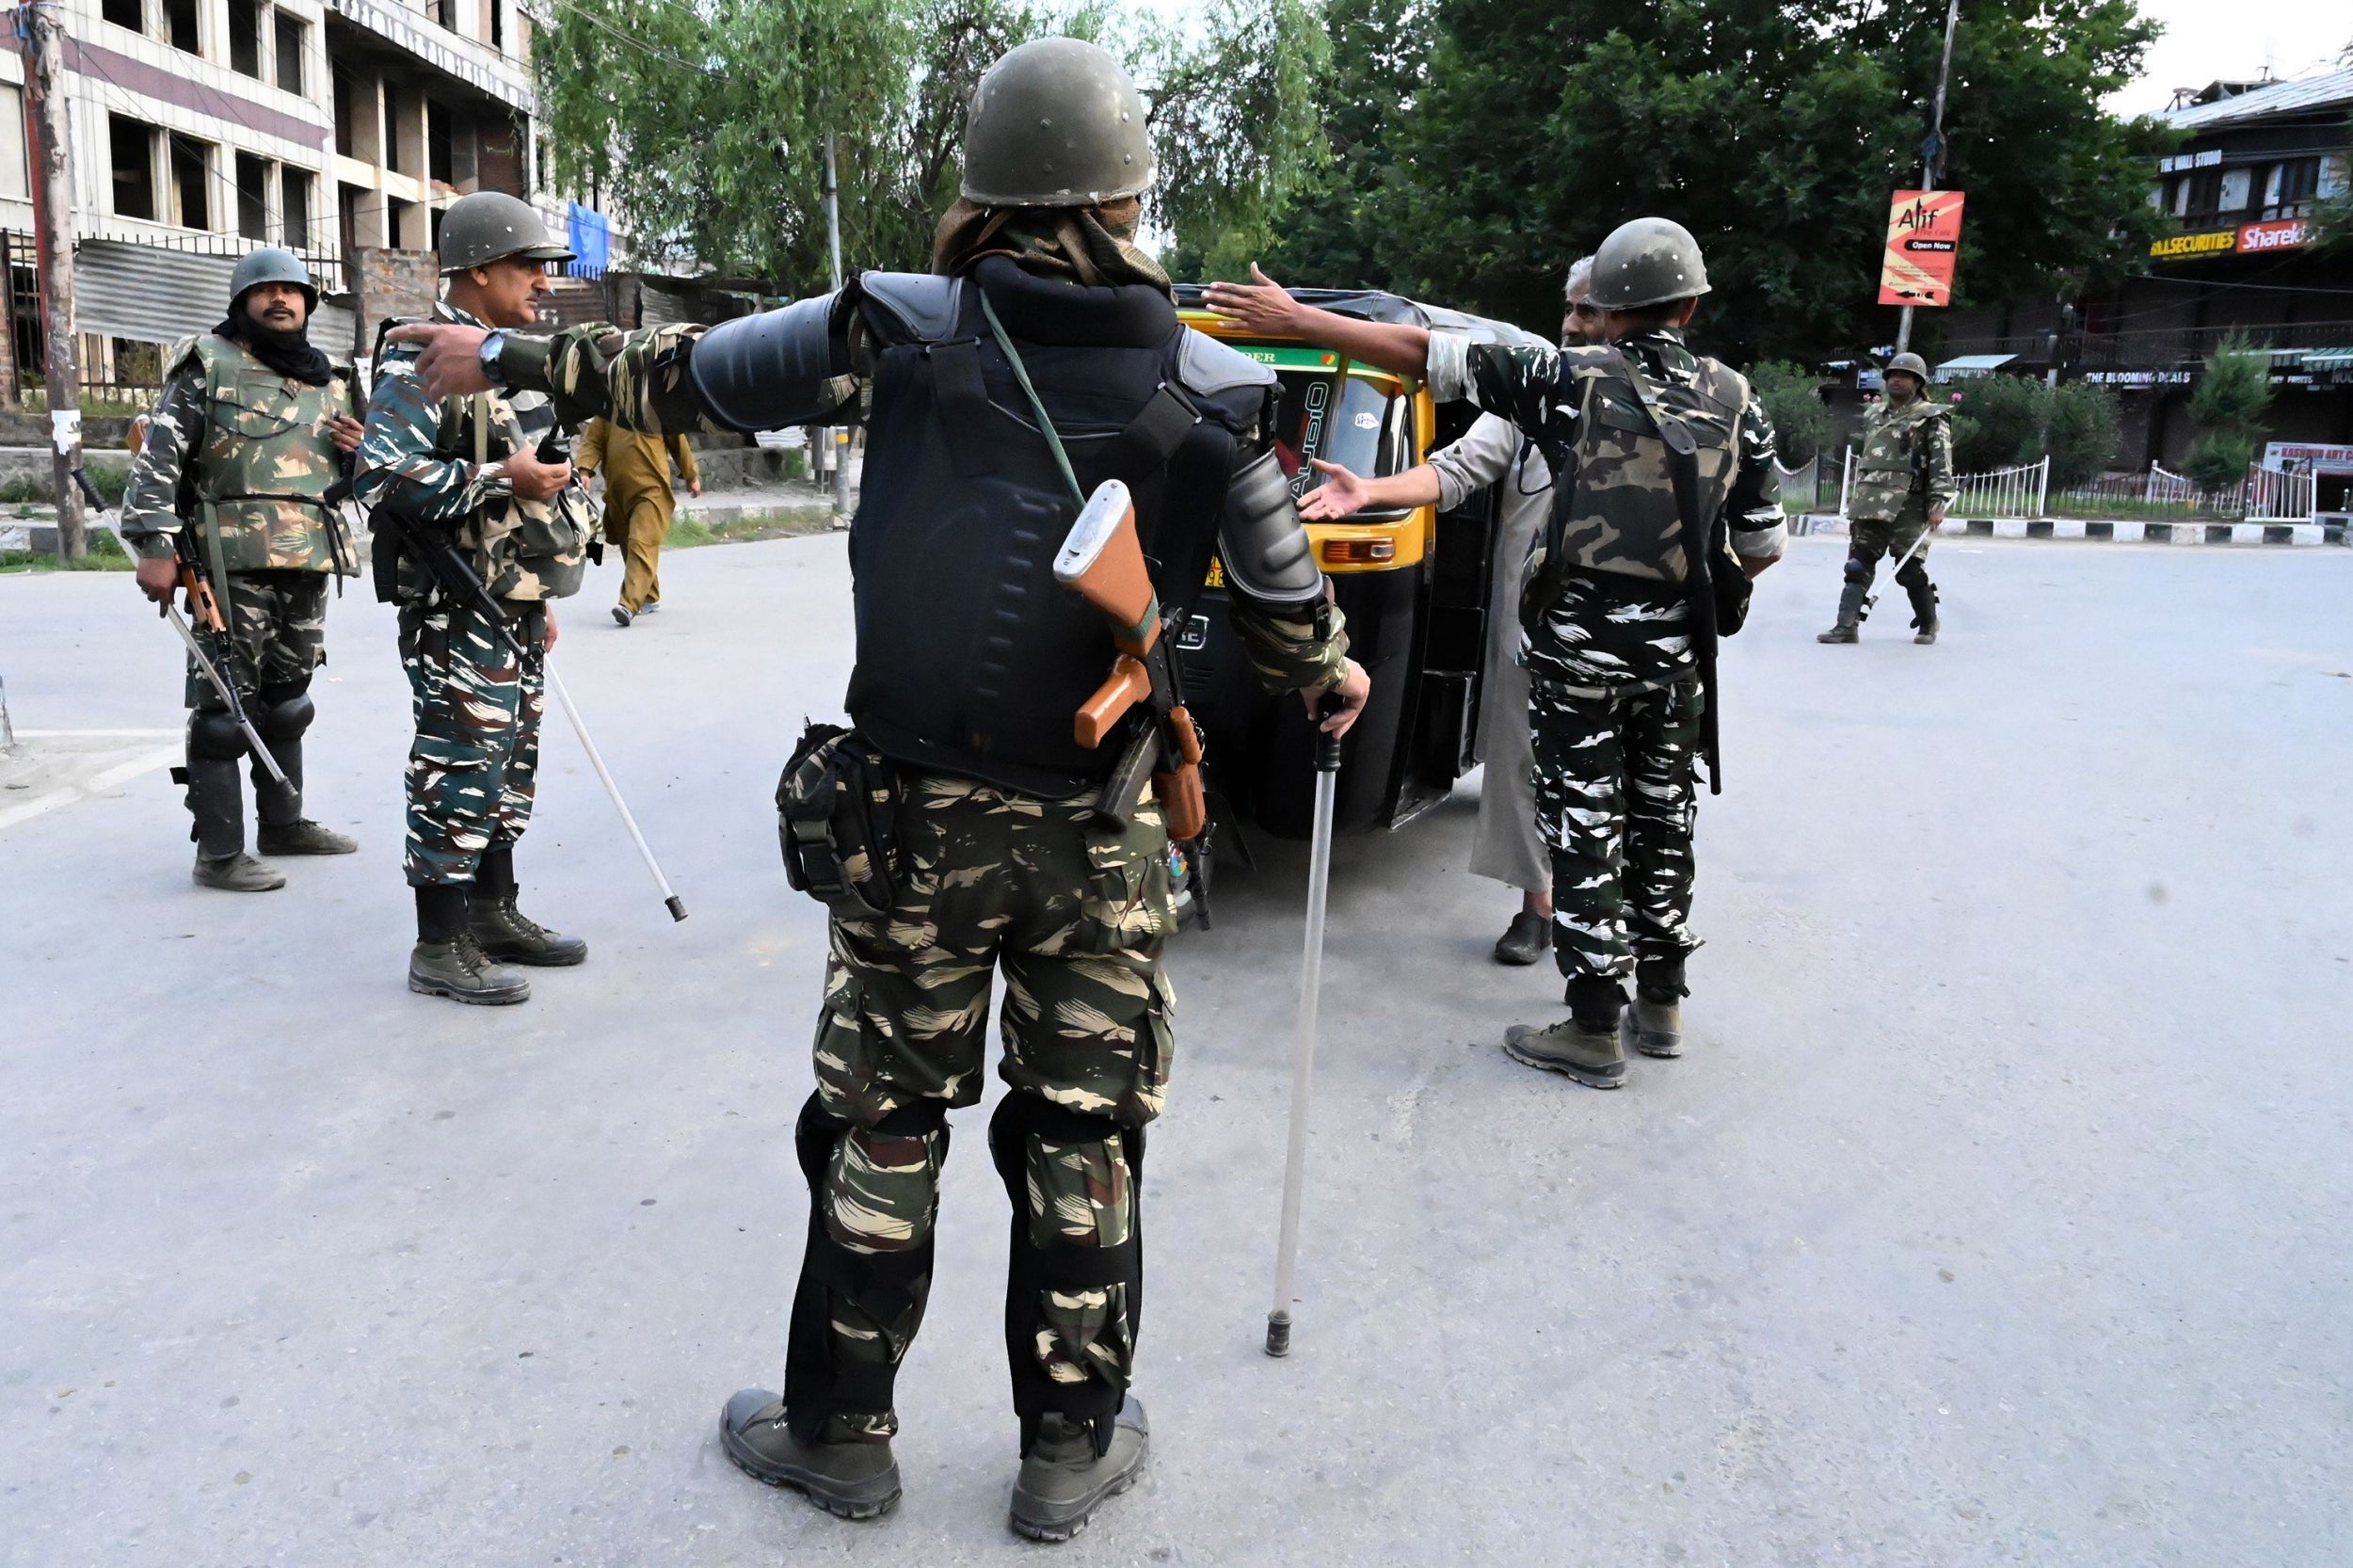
{"x":2117,"y":531}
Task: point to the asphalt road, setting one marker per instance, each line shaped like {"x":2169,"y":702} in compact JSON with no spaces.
{"x":1998,"y":1214}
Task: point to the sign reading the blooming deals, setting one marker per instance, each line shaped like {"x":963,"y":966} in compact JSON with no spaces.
{"x":1923,"y":242}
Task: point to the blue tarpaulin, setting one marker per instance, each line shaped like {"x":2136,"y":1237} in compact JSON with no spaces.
{"x":591,"y":241}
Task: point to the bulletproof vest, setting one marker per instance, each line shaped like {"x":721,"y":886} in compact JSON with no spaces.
{"x":1620,"y":516}
{"x":972,"y":659}
{"x":263,"y":466}
{"x":1888,"y":470}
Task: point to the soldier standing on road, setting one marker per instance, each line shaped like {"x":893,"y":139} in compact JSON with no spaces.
{"x":638,"y":503}
{"x":1506,"y":844}
{"x":1902,"y":484}
{"x":468,"y":470}
{"x":971,"y":661}
{"x":252,"y":429}
{"x":1619,"y":708}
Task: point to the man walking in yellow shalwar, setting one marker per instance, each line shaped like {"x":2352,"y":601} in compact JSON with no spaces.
{"x":638,"y":503}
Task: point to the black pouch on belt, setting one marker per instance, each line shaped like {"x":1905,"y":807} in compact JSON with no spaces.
{"x":836,"y":822}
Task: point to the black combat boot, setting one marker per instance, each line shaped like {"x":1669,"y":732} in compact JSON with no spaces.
{"x":1654,"y":1025}
{"x":284,"y":828}
{"x":504,"y":931}
{"x":1524,"y":941}
{"x":1923,"y":610}
{"x":1066,"y":1474}
{"x":1849,"y":616}
{"x":446,"y":962}
{"x":1586,"y":1045}
{"x":217,"y":802}
{"x":855,"y":1480}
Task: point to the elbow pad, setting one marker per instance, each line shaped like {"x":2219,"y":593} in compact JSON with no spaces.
{"x":1265,"y":547}
{"x":767,"y":371}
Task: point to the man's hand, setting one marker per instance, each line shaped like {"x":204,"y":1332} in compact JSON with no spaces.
{"x":533,"y":480}
{"x":1754,"y":564}
{"x":551,"y":642}
{"x":1260,"y":306}
{"x":450,"y":363}
{"x":345,"y":431}
{"x":694,"y":487}
{"x":1936,"y":518}
{"x":1342,"y":494}
{"x":159,"y":578}
{"x":1354,"y":687}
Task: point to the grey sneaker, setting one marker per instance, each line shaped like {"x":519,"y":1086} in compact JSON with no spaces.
{"x":1063,"y":1480}
{"x":302,"y":837}
{"x":459,"y":971}
{"x":237,"y":874}
{"x":855,"y":1480}
{"x":1594,"y":1057}
{"x":1654,"y":1028}
{"x":621,"y":616}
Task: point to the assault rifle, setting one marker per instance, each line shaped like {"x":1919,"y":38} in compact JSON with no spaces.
{"x":1103,"y":561}
{"x":210,"y":643}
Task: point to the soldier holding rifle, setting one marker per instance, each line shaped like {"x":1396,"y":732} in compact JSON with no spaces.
{"x":228,"y":499}
{"x":969,"y":823}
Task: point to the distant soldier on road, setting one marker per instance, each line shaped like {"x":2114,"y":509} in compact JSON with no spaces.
{"x":467,"y":470}
{"x":252,"y":429}
{"x":1903,"y":481}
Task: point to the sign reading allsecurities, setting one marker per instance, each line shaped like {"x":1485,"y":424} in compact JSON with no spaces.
{"x":1923,"y":242}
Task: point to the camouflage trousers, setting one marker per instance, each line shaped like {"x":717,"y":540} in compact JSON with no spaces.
{"x":473,"y":766}
{"x":1870,"y":542}
{"x":277,"y":623}
{"x":1075,"y":916}
{"x":1616,"y":799}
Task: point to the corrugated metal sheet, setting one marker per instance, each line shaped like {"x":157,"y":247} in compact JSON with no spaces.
{"x":667,"y":306}
{"x":2325,"y":90}
{"x":148,"y":294}
{"x":575,"y":302}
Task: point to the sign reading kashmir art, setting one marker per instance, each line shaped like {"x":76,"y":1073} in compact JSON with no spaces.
{"x":1923,"y":244}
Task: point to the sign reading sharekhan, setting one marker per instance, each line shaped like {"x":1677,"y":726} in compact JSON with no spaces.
{"x":1923,"y":244}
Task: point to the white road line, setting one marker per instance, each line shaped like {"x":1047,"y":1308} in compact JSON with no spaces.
{"x":98,"y":783}
{"x":32,"y":808}
{"x":76,"y":734}
{"x":124,"y":772}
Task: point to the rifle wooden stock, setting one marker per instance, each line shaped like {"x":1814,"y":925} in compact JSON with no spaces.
{"x":1184,"y":803}
{"x":1103,"y":560}
{"x":1131,"y":682}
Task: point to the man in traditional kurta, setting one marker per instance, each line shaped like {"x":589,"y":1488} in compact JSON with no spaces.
{"x":638,"y":503}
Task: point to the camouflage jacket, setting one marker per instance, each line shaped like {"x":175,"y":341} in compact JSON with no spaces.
{"x":242,"y":453}
{"x":639,"y":382}
{"x":1907,"y":452}
{"x":418,"y":463}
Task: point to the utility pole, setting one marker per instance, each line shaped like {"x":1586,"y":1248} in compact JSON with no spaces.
{"x":1934,"y":162}
{"x":44,"y":27}
{"x":833,"y":241}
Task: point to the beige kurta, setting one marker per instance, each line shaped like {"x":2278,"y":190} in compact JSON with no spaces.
{"x":638,"y":501}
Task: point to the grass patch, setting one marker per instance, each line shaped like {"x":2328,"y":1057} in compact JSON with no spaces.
{"x":105,"y":554}
{"x":768,"y":523}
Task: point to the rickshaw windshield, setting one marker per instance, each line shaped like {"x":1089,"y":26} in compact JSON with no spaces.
{"x":1353,"y":421}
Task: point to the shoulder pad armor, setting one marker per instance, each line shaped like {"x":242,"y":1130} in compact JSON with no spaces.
{"x":911,"y":307}
{"x":767,"y":371}
{"x":1207,"y":366}
{"x":1261,"y":541}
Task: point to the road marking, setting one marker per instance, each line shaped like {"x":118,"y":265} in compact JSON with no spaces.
{"x":76,"y":734}
{"x":31,"y":808}
{"x":98,"y":783}
{"x":125,"y":772}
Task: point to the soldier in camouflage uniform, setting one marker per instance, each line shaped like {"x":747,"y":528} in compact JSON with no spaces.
{"x":252,"y":429}
{"x":467,"y":470}
{"x":971,"y":661}
{"x":1619,"y":692}
{"x":1903,"y":481}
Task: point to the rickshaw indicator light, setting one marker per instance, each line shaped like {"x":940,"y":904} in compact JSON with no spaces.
{"x":1358,"y":553}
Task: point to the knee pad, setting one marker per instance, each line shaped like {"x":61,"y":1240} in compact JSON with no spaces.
{"x":214,"y":736}
{"x":886,"y":1288}
{"x":282,"y":712}
{"x":1859,"y":571}
{"x":1026,"y":1132}
{"x":1916,"y":574}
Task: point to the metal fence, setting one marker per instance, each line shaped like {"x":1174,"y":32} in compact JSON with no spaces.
{"x":2266,"y":495}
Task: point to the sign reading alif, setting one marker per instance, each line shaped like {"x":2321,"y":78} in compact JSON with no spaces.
{"x":1923,"y":244}
{"x":2248,"y":239}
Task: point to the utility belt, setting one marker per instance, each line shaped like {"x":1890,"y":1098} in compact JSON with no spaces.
{"x":837,"y":822}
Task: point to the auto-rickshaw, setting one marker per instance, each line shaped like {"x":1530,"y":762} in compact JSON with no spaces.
{"x":1413,"y":583}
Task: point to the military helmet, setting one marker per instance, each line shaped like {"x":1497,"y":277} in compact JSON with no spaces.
{"x":1056,"y":124}
{"x":1646,"y":262}
{"x":271,"y":264}
{"x":490,"y":226}
{"x":1908,"y":365}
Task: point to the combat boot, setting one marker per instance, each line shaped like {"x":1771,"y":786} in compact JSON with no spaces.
{"x":504,"y":931}
{"x":855,"y":1480}
{"x":1845,"y":631}
{"x":1851,"y":608}
{"x":1654,"y":1023}
{"x":301,"y":837}
{"x":1923,"y":611}
{"x":238,"y":873}
{"x":1586,"y":1045}
{"x":446,"y":962}
{"x":1063,"y":1478}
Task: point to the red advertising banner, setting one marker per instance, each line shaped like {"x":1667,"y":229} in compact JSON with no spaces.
{"x":1923,"y":242}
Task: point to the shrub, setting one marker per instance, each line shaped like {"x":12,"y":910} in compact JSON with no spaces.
{"x":1998,"y":422}
{"x":1792,"y":401}
{"x":2083,"y":430}
{"x":2218,"y":459}
{"x":2228,"y":407}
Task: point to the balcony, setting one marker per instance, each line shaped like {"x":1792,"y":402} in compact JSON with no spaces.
{"x":2158,"y":348}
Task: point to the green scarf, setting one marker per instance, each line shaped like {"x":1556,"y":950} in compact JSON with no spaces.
{"x":1095,"y":246}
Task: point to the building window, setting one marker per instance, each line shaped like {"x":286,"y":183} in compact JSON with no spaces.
{"x":437,"y":149}
{"x":497,"y":23}
{"x":346,"y":116}
{"x":2202,"y":195}
{"x":192,"y":181}
{"x":2238,"y":185}
{"x":433,"y":235}
{"x":253,"y":198}
{"x":347,"y":214}
{"x":396,"y":126}
{"x":2295,"y":183}
{"x":244,"y":38}
{"x":16,"y":173}
{"x":132,"y":144}
{"x":294,"y":206}
{"x":126,"y":13}
{"x":186,"y":36}
{"x":294,"y":42}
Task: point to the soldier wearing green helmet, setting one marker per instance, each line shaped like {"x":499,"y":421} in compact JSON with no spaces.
{"x":252,"y":429}
{"x":469,"y":470}
{"x":1629,"y":588}
{"x":1903,"y":481}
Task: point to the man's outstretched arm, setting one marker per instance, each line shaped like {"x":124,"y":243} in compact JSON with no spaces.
{"x":1263,"y":306}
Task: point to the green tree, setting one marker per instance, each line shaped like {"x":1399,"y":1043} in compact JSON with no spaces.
{"x":2226,"y":406}
{"x":2081,"y":432}
{"x":1792,"y":398}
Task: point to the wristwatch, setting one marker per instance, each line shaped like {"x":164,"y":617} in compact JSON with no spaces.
{"x":492,"y":346}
